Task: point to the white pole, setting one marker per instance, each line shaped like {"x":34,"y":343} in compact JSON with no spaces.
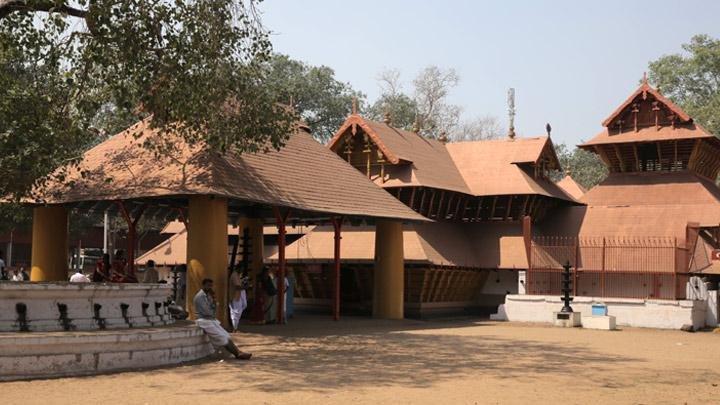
{"x":105,"y":232}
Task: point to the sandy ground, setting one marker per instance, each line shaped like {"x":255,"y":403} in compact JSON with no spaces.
{"x":463,"y":361}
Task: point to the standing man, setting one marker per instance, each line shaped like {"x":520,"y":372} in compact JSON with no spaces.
{"x":151,"y":273}
{"x":238,"y":297}
{"x":205,"y":310}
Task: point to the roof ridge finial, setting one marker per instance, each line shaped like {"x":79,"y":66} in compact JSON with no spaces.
{"x":386,"y":118}
{"x":291,"y":103}
{"x":416,"y":125}
{"x":443,"y":137}
{"x":511,"y":113}
{"x":354,"y":105}
{"x":568,"y":170}
{"x":548,"y":129}
{"x":644,"y":78}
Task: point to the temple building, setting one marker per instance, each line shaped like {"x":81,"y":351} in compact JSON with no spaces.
{"x":643,"y":232}
{"x":478,"y":194}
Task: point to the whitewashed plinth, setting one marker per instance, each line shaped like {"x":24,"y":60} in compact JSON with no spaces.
{"x":567,"y":319}
{"x":43,"y":303}
{"x":606,"y":322}
{"x":645,"y":313}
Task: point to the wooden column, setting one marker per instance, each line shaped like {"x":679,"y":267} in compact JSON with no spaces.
{"x":207,"y":251}
{"x":388,"y":300}
{"x":49,"y":244}
{"x":281,"y":220}
{"x":257,"y":246}
{"x":337,"y":226}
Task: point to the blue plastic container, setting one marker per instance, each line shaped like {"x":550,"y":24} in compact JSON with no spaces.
{"x":599,"y":309}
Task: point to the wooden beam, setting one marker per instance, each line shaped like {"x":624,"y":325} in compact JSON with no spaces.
{"x":465,"y":205}
{"x":603,"y":156}
{"x":422,"y":201}
{"x":659,"y":151}
{"x":525,"y":205}
{"x":430,"y":207}
{"x":492,"y":210}
{"x":457,"y":207}
{"x":619,"y":156}
{"x":509,"y":207}
{"x":676,"y":159}
{"x":412,"y":199}
{"x":447,"y":206}
{"x":479,"y":207}
{"x":439,"y":207}
{"x":637,"y":157}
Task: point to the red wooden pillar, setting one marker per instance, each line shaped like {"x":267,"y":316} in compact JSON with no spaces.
{"x":132,"y":226}
{"x":602,"y":271}
{"x":337,"y":225}
{"x":281,"y":220}
{"x":527,"y":239}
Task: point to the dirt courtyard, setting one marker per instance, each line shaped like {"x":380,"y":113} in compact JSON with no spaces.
{"x":314,"y":360}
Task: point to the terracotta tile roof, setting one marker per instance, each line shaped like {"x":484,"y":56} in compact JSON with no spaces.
{"x":173,"y":251}
{"x":422,"y":161}
{"x":304,"y":175}
{"x":571,"y":187}
{"x":485,"y":246}
{"x":647,"y":134}
{"x":647,"y":204}
{"x":653,"y":188}
{"x":494,"y":167}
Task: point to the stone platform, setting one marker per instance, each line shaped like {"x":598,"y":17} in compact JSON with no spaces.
{"x":62,"y":306}
{"x":62,"y":354}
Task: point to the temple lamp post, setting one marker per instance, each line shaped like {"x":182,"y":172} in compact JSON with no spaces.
{"x":566,"y":288}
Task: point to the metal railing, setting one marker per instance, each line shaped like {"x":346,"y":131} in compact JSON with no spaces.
{"x":609,"y":267}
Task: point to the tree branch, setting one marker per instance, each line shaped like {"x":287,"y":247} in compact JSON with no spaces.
{"x":7,"y":7}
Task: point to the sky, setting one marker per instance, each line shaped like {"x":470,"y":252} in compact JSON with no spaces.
{"x":571,"y":63}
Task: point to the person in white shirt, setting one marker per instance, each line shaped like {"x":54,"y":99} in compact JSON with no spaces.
{"x":79,"y":277}
{"x":151,"y":273}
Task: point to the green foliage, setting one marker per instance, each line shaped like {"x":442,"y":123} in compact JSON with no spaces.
{"x":692,"y":80}
{"x":321,"y":100}
{"x":400,"y":108}
{"x":587,"y":168}
{"x":79,"y":71}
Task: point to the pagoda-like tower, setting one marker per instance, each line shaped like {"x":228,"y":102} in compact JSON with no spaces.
{"x":648,"y":133}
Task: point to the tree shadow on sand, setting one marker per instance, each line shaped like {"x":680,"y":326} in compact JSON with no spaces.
{"x":408,"y":354}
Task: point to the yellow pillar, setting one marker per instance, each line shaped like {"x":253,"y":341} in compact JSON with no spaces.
{"x":388,"y":300}
{"x":207,"y":251}
{"x":49,"y":260}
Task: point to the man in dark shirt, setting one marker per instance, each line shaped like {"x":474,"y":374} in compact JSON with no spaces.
{"x":205,"y":310}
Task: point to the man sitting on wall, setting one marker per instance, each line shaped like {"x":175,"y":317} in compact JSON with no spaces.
{"x":205,"y":309}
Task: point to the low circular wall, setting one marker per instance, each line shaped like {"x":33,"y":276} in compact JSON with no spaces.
{"x":62,"y":354}
{"x":62,"y":306}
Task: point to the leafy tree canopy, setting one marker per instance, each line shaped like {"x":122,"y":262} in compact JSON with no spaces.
{"x":585,"y":167}
{"x":73,"y":72}
{"x":692,"y":80}
{"x":321,"y":100}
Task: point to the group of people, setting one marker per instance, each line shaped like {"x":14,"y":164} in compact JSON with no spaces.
{"x":115,"y":271}
{"x":265,"y":306}
{"x":18,"y":274}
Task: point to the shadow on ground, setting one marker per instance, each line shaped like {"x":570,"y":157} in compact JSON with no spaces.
{"x":320,"y":356}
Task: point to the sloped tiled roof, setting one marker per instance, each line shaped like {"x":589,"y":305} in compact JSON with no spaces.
{"x":480,"y":168}
{"x":485,"y":246}
{"x":647,"y":134}
{"x":426,"y":160}
{"x":646,"y":204}
{"x":303,"y":175}
{"x":571,"y":187}
{"x":494,"y":167}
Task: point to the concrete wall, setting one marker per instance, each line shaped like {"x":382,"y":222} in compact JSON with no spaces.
{"x":42,"y":355}
{"x":43,"y":303}
{"x":662,"y":314}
